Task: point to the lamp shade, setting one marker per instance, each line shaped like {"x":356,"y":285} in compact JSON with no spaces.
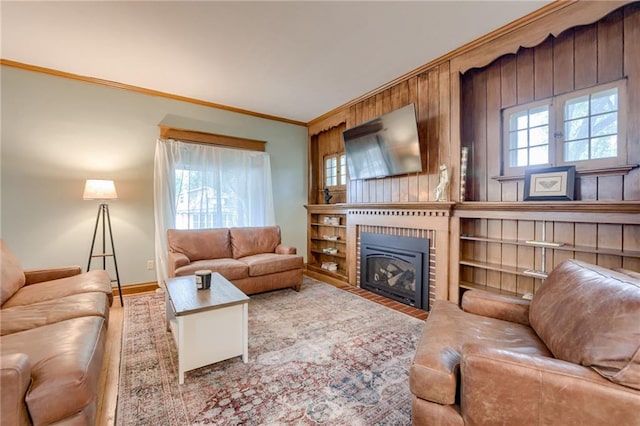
{"x":96,"y":189}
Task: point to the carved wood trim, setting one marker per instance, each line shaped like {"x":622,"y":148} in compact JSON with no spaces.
{"x":210,"y":138}
{"x":534,"y":32}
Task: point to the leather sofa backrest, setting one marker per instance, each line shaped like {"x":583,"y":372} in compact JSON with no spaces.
{"x":12,"y":278}
{"x":200,"y":244}
{"x":254,"y":240}
{"x":590,"y":315}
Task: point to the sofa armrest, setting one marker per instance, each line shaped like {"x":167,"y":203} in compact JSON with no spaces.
{"x":176,"y":260}
{"x":15,"y":378}
{"x":499,"y":306}
{"x":284,"y":249}
{"x":519,"y":388}
{"x":34,"y":276}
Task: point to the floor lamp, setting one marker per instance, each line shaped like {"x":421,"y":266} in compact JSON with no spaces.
{"x":103,"y":190}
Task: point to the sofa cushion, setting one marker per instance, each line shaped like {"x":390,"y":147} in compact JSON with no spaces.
{"x":231,"y":269}
{"x":12,"y":275}
{"x":447,"y":329}
{"x":66,"y":358}
{"x":254,"y":240}
{"x":96,"y":280}
{"x":200,"y":244}
{"x":590,"y":315}
{"x":20,"y":318}
{"x":270,"y":263}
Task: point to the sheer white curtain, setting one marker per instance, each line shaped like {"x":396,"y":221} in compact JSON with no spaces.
{"x":204,"y":186}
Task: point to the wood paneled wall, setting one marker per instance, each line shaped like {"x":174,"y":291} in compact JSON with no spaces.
{"x":578,"y":58}
{"x":324,"y":143}
{"x":429,"y":92}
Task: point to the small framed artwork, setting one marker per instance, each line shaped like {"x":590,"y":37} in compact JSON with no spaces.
{"x":554,"y":183}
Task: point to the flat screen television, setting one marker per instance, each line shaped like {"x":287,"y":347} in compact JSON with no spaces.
{"x":385,"y":146}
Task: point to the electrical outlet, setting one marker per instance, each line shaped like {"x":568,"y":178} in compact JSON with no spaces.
{"x":149,"y":265}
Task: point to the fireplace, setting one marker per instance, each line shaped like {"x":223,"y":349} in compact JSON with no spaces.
{"x":396,"y":267}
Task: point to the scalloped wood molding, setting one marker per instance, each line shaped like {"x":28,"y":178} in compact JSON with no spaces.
{"x":530,"y":34}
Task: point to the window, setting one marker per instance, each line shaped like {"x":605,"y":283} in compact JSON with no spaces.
{"x":335,"y":170}
{"x":582,"y":128}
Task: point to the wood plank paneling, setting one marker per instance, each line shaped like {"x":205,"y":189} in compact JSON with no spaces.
{"x":525,"y":78}
{"x":563,"y":63}
{"x":632,"y":71}
{"x":433,"y":131}
{"x":543,"y":70}
{"x":586,"y":57}
{"x":610,"y":47}
{"x":479,"y":128}
{"x":494,"y":132}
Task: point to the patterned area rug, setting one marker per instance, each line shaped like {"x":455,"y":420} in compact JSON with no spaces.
{"x":320,"y":356}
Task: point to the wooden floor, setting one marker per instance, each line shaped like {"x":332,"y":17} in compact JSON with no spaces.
{"x":109,"y":376}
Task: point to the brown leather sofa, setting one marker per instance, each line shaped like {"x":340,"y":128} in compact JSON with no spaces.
{"x":53,"y":325}
{"x":252,"y":258}
{"x":571,"y":356}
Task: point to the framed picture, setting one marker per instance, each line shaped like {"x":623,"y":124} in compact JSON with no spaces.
{"x":554,"y":183}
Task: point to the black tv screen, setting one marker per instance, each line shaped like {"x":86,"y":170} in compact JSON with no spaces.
{"x":385,"y":146}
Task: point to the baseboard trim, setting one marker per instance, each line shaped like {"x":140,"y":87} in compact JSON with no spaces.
{"x":137,"y":288}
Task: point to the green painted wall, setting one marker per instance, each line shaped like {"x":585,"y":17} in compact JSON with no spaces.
{"x":57,"y":132}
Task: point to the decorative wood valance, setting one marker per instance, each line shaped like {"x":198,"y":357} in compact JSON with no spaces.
{"x":211,"y":138}
{"x":565,"y":15}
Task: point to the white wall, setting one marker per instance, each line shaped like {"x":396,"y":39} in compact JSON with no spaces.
{"x":57,"y":132}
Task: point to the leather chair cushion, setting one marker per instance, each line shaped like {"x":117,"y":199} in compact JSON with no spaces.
{"x":96,"y":280}
{"x":434,"y":371}
{"x":12,"y":275}
{"x":590,"y":315}
{"x":66,"y":359}
{"x":200,"y":244}
{"x":229,"y":268}
{"x":254,"y":240}
{"x":20,"y":318}
{"x":270,"y":263}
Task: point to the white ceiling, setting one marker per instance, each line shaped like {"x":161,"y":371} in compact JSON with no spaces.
{"x":295,"y":59}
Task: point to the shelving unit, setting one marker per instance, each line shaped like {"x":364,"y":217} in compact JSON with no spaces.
{"x":327,"y":242}
{"x":509,"y":248}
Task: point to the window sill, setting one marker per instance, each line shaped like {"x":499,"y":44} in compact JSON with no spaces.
{"x":606,"y":171}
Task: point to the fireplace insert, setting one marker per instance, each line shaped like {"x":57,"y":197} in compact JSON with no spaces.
{"x":396,"y":267}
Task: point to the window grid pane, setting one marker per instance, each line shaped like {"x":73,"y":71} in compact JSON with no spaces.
{"x":529,"y":137}
{"x":331,"y":171}
{"x":343,"y":170}
{"x":591,"y":126}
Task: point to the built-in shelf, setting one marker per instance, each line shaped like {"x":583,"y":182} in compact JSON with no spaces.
{"x":338,"y":254}
{"x":512,"y":247}
{"x":471,"y":286}
{"x":320,"y":218}
{"x":565,"y":247}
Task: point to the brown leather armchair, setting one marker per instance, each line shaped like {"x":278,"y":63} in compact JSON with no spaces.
{"x":571,"y":356}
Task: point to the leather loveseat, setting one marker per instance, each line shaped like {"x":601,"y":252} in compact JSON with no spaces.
{"x":252,"y":258}
{"x":53,"y":324}
{"x":571,"y":356}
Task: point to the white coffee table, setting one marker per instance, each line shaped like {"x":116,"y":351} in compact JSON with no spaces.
{"x":208,"y":326}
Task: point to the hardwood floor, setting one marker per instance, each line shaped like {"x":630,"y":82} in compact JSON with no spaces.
{"x":109,"y":376}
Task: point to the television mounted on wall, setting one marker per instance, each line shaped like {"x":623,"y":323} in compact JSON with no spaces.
{"x":386,"y":146}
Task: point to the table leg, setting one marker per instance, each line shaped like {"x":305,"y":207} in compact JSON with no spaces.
{"x":245,"y":333}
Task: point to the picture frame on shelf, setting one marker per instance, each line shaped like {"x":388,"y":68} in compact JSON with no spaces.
{"x":550,"y":184}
